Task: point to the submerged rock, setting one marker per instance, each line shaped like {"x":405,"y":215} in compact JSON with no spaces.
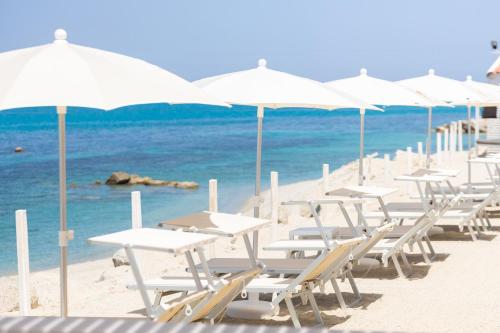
{"x":123,"y":178}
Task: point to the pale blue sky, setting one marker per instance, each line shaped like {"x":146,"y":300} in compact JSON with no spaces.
{"x":324,"y":40}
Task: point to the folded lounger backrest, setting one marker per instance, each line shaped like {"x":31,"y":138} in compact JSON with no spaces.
{"x":376,"y":235}
{"x":217,"y":301}
{"x":174,"y":308}
{"x":327,"y":262}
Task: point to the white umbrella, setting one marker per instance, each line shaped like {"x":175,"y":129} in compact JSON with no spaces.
{"x":491,"y":94}
{"x":443,"y":89}
{"x":379,"y":92}
{"x":63,"y":74}
{"x":263,"y":87}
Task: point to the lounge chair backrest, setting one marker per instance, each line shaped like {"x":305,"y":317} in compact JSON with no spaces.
{"x":218,"y":300}
{"x":175,"y":307}
{"x":331,"y":258}
{"x":375,"y":236}
{"x":422,"y":223}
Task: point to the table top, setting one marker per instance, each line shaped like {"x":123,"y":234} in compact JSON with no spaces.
{"x":309,"y":244}
{"x":362,"y":191}
{"x":422,"y":178}
{"x":437,"y":172}
{"x":485,"y":160}
{"x":155,"y":239}
{"x":229,"y":225}
{"x":488,"y":141}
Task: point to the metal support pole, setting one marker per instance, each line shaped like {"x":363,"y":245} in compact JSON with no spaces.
{"x":134,"y":265}
{"x":469,"y":150}
{"x":63,"y":235}
{"x":361,"y":144}
{"x":429,"y":138}
{"x":258,"y":165}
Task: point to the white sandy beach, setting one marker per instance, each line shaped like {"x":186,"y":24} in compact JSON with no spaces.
{"x":457,"y":293}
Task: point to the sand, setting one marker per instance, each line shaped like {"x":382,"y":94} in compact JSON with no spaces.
{"x":457,"y":293}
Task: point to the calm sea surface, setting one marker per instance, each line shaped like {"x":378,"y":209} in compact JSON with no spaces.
{"x":169,"y":142}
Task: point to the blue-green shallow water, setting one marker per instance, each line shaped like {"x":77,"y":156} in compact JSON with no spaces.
{"x":169,"y":142}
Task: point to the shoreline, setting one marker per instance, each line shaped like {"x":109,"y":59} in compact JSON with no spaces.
{"x":297,"y":190}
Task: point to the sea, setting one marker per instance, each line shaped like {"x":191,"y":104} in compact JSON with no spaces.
{"x":179,"y":142}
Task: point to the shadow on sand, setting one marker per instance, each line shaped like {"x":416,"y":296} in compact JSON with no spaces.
{"x":451,"y":233}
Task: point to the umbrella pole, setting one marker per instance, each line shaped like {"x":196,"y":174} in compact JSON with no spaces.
{"x":361,"y":145}
{"x":63,"y":236}
{"x":258,"y":165}
{"x":469,"y":147}
{"x":361,"y":155}
{"x":429,"y":139}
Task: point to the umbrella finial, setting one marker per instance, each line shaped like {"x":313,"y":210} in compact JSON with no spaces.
{"x":363,"y":71}
{"x":431,"y":71}
{"x":60,"y":34}
{"x":262,"y":62}
{"x":469,"y":78}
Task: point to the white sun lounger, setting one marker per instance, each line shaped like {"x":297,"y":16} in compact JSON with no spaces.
{"x":221,"y":224}
{"x":177,"y":243}
{"x":361,"y":193}
{"x":322,"y":267}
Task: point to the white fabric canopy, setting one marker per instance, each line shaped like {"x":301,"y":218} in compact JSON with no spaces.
{"x":379,"y":92}
{"x":66,"y":74}
{"x":63,"y":74}
{"x":490,"y":92}
{"x":441,"y":88}
{"x":269,"y":88}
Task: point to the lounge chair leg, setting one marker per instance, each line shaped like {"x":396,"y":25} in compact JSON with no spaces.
{"x":158,"y":297}
{"x":398,"y":267}
{"x":354,"y":287}
{"x":429,"y":245}
{"x":315,"y":308}
{"x":476,"y":225}
{"x":424,"y":254}
{"x":293,"y":314}
{"x":303,"y":299}
{"x":471,"y":232}
{"x":406,"y":262}
{"x":488,"y":222}
{"x":340,"y":298}
{"x":483,"y":225}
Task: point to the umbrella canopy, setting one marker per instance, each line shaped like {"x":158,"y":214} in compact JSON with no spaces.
{"x":62,"y":74}
{"x":444,"y":89}
{"x":490,"y":92}
{"x":379,"y":92}
{"x":269,"y":88}
{"x":263,"y":87}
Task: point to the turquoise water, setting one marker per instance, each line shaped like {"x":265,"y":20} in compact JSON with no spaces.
{"x":169,"y":142}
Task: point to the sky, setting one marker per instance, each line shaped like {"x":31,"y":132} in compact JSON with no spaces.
{"x":320,"y":39}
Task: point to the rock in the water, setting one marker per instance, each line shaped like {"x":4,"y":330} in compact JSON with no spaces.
{"x":98,"y":182}
{"x":118,"y":178}
{"x":9,"y":300}
{"x":19,"y":149}
{"x":186,"y":185}
{"x":155,"y":182}
{"x":123,"y":178}
{"x":120,"y":258}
